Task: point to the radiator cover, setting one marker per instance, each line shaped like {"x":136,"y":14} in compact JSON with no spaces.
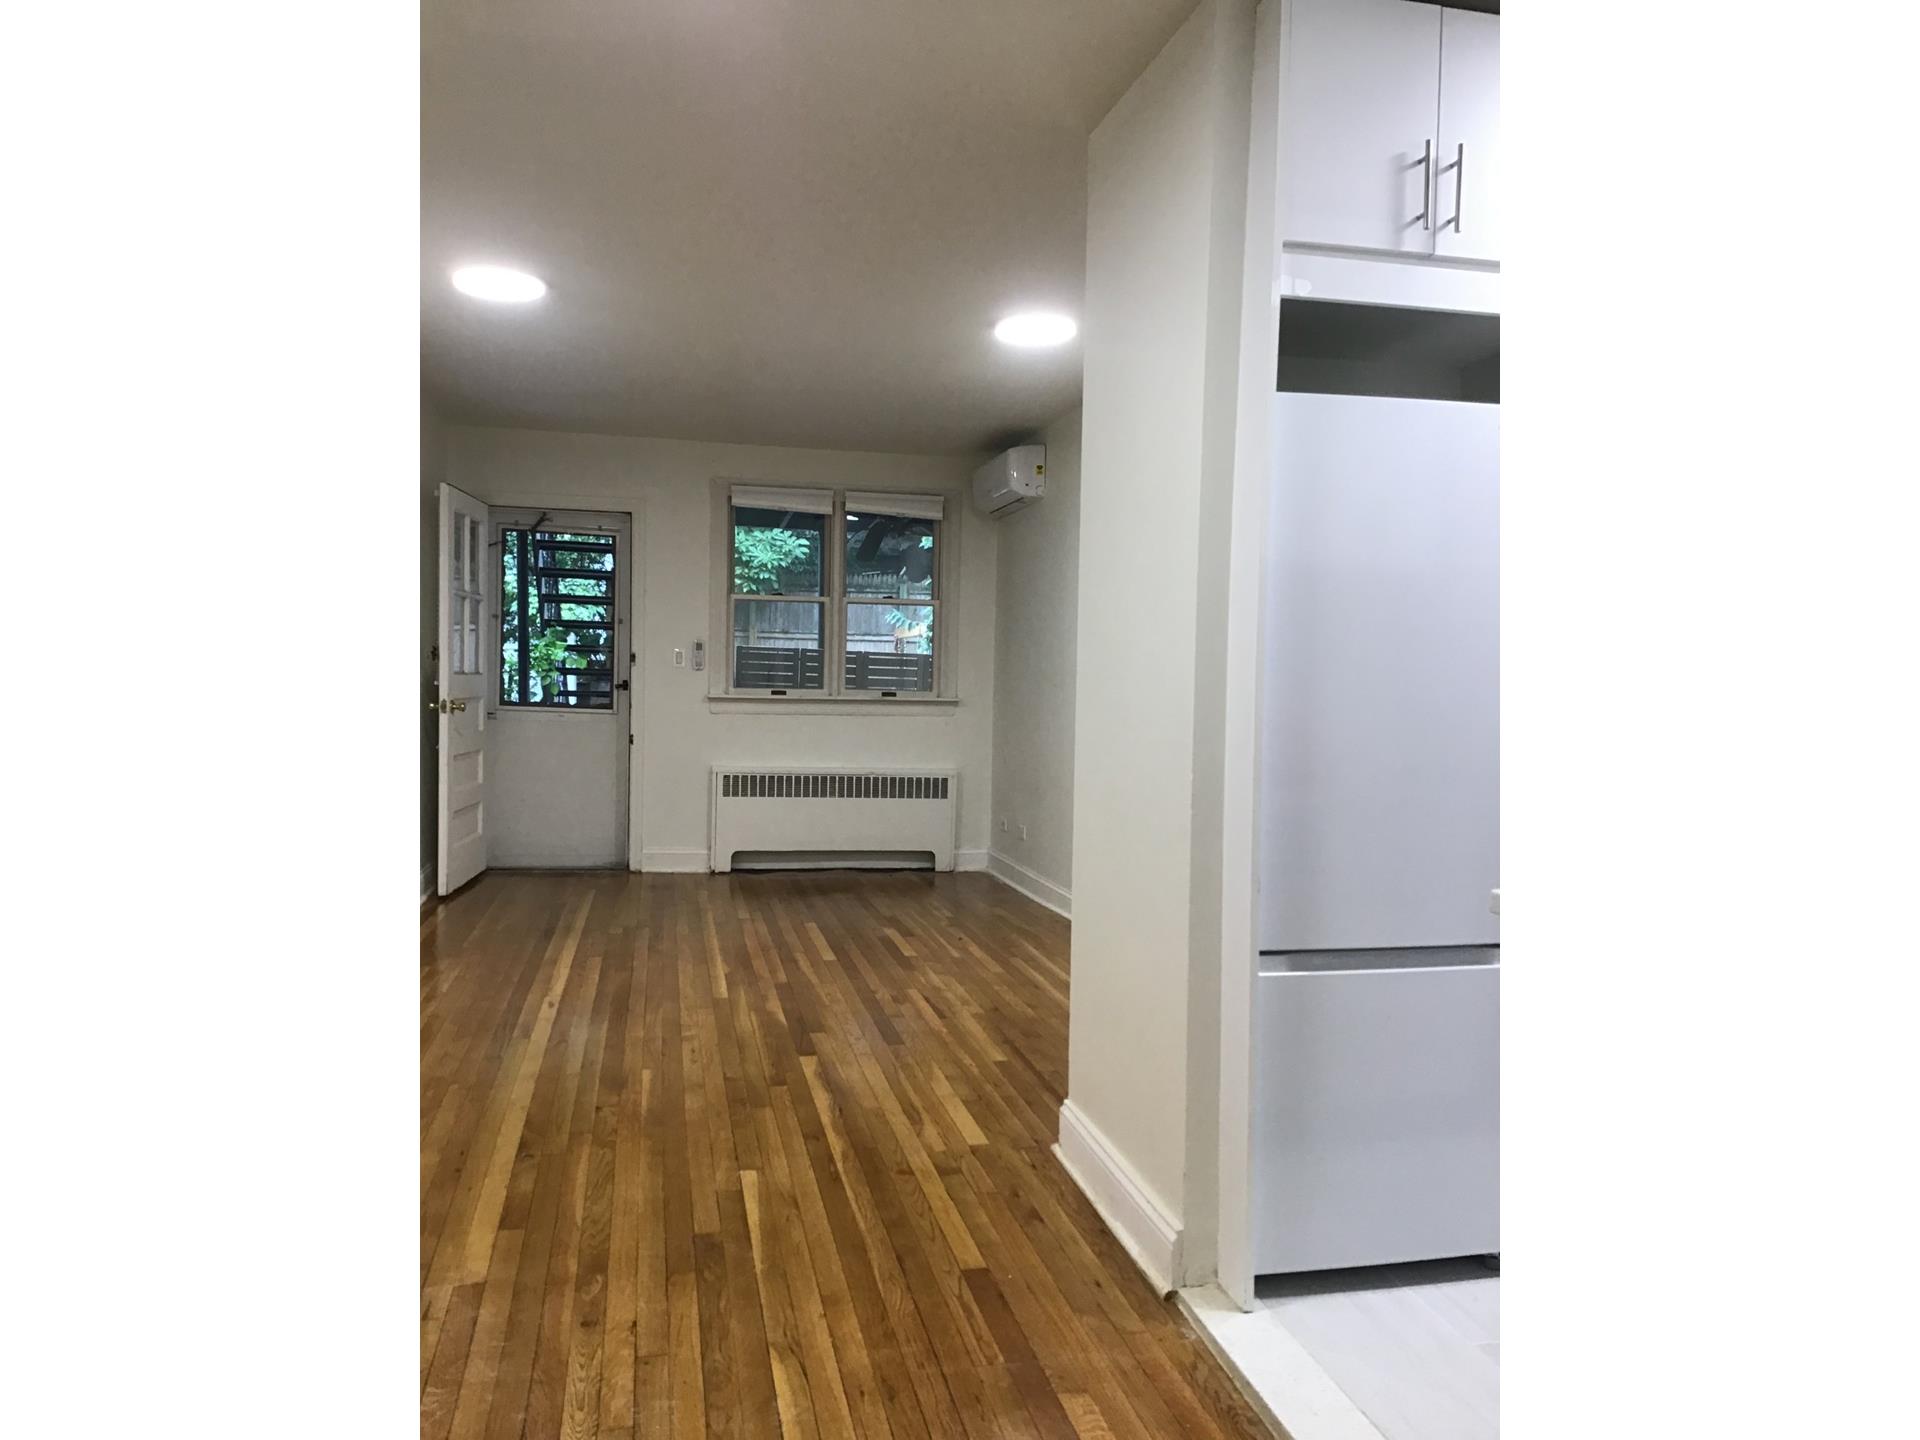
{"x":820,"y":811}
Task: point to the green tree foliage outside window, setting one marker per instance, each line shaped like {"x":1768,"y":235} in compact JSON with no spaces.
{"x":777,"y":553}
{"x":762,"y":557}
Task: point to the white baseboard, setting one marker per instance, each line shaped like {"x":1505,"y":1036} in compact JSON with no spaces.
{"x":559,"y":864}
{"x":676,"y":862}
{"x":427,"y":885}
{"x":829,"y":860}
{"x":1030,"y":883}
{"x":1138,"y":1220}
{"x":681,"y":861}
{"x":1285,"y":1384}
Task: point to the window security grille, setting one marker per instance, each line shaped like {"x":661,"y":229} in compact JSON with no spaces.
{"x":557,"y":618}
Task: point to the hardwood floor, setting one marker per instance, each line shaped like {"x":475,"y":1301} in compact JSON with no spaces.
{"x":767,"y":1155}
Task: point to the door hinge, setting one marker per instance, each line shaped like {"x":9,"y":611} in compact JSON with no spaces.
{"x":623,"y":685}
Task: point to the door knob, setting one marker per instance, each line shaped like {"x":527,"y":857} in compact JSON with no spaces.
{"x":448,"y":705}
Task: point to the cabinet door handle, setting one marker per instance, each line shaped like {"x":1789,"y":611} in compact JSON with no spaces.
{"x":1426,"y":188}
{"x":1459,"y":181}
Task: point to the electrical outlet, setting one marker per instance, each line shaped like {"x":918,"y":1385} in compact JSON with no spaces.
{"x":1023,"y":832}
{"x":1003,"y":827}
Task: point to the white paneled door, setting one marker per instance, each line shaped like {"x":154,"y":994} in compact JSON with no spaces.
{"x":1467,"y":226}
{"x":465,"y":642}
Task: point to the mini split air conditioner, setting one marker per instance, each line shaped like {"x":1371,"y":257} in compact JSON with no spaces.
{"x":1011,"y":479}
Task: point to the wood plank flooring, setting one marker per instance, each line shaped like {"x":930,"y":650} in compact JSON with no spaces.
{"x":767,"y":1156}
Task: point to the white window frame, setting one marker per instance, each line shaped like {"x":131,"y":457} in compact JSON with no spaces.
{"x":833,"y":601}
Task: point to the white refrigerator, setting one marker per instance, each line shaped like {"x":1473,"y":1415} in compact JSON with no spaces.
{"x":1376,"y":1034}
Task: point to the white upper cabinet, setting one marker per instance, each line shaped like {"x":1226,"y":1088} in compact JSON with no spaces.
{"x":1467,"y":226}
{"x":1390,"y":127}
{"x":1358,"y":105}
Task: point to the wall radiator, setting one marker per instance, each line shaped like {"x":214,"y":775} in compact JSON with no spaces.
{"x":864,"y":811}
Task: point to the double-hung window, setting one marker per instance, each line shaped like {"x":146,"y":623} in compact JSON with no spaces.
{"x":833,"y":593}
{"x":781,"y":577}
{"x":889,"y":592}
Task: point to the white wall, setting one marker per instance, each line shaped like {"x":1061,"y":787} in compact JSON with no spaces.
{"x":433,"y":469}
{"x":1033,"y":686}
{"x":1167,"y":174}
{"x":1239,"y":694}
{"x":682,"y":733}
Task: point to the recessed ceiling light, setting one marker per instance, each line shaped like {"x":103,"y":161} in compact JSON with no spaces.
{"x":1035,"y":328}
{"x":496,"y":282}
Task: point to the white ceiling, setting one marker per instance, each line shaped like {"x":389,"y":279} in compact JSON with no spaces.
{"x":787,"y":222}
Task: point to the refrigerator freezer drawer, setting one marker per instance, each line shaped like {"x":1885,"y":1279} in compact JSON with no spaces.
{"x":1376,"y":1116}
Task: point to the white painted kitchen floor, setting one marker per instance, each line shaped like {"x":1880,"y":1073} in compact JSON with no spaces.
{"x":1412,"y":1352}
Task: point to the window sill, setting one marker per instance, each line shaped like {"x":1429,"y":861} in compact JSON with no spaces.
{"x":721,"y":704}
